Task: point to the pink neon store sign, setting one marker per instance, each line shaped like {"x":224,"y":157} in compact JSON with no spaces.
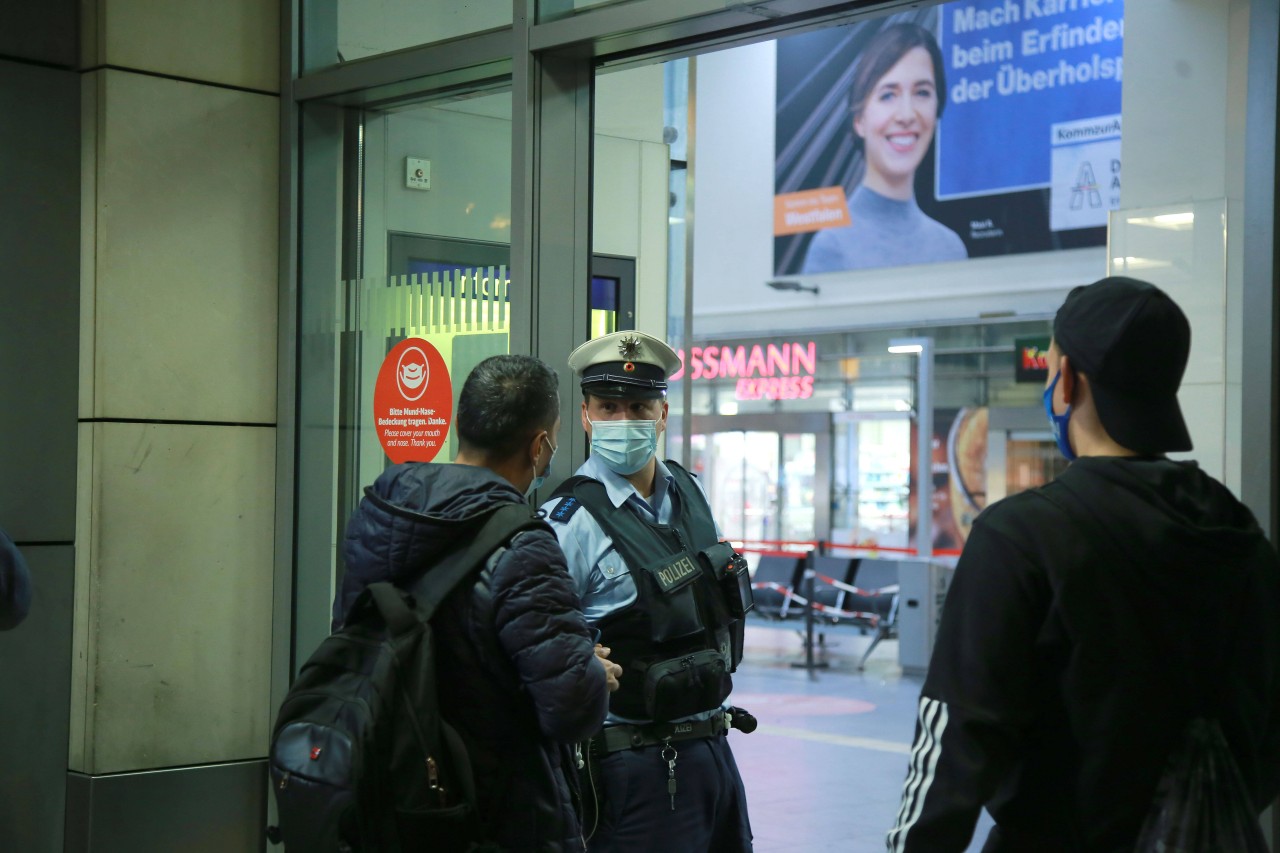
{"x":764,"y":371}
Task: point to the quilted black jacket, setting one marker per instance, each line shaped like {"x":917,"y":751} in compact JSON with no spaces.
{"x":516,"y":663}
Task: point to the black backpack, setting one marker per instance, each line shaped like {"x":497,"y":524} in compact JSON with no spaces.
{"x":360,"y":758}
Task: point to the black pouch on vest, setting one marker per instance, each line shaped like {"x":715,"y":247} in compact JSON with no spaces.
{"x":729,"y":569}
{"x":682,"y":686}
{"x":733,"y":580}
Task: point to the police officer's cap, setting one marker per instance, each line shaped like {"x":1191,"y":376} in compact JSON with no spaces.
{"x":625,"y":366}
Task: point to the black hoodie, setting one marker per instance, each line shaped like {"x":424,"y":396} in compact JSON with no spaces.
{"x":516,"y":664}
{"x":1087,"y":622}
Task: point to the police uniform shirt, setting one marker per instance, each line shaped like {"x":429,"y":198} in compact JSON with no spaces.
{"x":602,"y":579}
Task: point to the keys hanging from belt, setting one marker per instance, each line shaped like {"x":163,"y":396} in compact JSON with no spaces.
{"x":671,"y":770}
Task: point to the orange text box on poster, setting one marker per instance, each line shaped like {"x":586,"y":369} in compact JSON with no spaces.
{"x":413,"y":402}
{"x":809,"y":210}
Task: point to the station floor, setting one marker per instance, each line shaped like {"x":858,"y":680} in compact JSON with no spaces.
{"x":825,"y":768}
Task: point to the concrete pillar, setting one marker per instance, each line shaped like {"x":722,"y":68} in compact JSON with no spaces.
{"x":176,"y":487}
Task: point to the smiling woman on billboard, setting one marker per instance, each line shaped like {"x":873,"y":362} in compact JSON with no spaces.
{"x":896,"y":99}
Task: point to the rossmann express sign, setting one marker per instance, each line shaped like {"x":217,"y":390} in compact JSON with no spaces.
{"x":771,"y":371}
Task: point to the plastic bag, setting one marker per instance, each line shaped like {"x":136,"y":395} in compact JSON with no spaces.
{"x":1201,"y":804}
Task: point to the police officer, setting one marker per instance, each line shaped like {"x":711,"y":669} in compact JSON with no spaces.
{"x":668,"y":597}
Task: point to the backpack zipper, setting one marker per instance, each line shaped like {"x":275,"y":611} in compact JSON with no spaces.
{"x":433,"y":779}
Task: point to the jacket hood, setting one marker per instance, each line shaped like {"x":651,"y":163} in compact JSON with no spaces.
{"x":412,"y":514}
{"x":1183,"y":516}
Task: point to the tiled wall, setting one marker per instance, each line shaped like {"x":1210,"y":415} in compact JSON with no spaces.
{"x":1183,"y":151}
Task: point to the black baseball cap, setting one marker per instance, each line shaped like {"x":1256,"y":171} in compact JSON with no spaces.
{"x":1132,"y":341}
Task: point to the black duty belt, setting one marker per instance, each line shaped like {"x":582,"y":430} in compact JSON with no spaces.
{"x":626,"y":736}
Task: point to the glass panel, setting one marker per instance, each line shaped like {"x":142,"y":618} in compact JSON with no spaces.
{"x":334,"y":33}
{"x":883,"y":453}
{"x":1183,"y":250}
{"x":405,"y":226}
{"x":760,"y":504}
{"x":1031,"y":461}
{"x":724,"y":479}
{"x":740,"y":473}
{"x":796,"y":487}
{"x":553,"y":10}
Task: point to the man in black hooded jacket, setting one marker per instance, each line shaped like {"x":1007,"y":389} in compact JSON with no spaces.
{"x":519,"y":675}
{"x":1090,"y":619}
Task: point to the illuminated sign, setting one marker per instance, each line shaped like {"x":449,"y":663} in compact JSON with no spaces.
{"x":783,"y":371}
{"x":1031,"y":359}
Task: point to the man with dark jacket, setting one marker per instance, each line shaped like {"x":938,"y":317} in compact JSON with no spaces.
{"x":15,"y":584}
{"x":1091,"y":619}
{"x":518,"y":673}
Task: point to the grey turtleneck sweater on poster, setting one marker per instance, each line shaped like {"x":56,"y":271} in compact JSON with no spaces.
{"x":884,"y":232}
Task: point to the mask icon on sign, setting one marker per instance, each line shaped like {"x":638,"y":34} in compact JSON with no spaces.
{"x":412,"y":373}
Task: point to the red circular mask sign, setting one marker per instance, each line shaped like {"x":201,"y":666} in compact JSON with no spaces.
{"x":412,"y":402}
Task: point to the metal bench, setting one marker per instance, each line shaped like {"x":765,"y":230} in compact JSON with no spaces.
{"x":774,"y":586}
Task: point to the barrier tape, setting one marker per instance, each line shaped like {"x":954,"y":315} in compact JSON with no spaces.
{"x":799,"y":547}
{"x":891,"y":589}
{"x":873,"y":619}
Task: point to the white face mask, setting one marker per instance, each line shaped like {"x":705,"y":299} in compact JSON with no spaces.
{"x":539,"y":479}
{"x":624,"y":446}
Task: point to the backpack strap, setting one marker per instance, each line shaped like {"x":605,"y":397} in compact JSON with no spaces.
{"x":404,"y":614}
{"x":503,"y":523}
{"x":435,"y":585}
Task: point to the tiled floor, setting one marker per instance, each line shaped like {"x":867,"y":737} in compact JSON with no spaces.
{"x":825,"y":768}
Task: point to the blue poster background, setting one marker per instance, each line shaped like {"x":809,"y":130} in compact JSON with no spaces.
{"x":1014,"y":69}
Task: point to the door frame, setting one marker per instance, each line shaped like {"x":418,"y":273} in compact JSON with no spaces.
{"x":1000,"y":423}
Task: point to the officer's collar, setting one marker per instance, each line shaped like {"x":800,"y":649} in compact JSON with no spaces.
{"x":619,"y":488}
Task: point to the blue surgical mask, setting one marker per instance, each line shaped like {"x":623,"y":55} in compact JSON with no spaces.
{"x":624,"y":446}
{"x":1059,"y":422}
{"x":539,"y":479}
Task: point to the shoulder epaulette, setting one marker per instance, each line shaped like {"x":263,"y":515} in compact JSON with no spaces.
{"x":564,"y":510}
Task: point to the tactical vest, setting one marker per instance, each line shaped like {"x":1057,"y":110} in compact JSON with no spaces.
{"x":682,"y":637}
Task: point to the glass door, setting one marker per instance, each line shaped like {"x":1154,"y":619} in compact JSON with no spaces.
{"x":740,"y":471}
{"x":768,"y":486}
{"x":872,"y":475}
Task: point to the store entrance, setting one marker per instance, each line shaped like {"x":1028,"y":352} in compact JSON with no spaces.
{"x":767,"y":476}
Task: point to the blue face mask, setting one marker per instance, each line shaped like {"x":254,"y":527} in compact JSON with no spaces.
{"x":539,"y":479}
{"x":624,"y":446}
{"x":1059,"y":422}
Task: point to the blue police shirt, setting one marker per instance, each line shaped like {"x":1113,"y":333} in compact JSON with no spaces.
{"x":601,"y":577}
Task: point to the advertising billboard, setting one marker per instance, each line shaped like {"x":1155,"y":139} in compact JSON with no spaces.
{"x":972,"y":128}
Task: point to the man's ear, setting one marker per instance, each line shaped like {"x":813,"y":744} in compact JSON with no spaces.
{"x":535,"y":446}
{"x":1070,"y":381}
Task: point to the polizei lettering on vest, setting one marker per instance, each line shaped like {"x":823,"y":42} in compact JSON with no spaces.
{"x":671,"y":575}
